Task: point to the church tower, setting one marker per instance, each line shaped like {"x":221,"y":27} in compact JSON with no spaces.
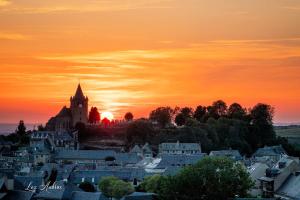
{"x":79,"y":107}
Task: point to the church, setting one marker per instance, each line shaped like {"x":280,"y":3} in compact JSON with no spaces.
{"x":67,"y":118}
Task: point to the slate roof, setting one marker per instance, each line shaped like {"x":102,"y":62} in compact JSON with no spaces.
{"x":270,"y":151}
{"x":136,"y":149}
{"x":146,"y":148}
{"x":88,"y":196}
{"x":84,"y":154}
{"x":18,"y":195}
{"x":124,"y":174}
{"x":21,"y":182}
{"x":58,"y":194}
{"x":179,"y":146}
{"x":290,"y":188}
{"x":171,"y":160}
{"x":139,"y":196}
{"x":227,"y":153}
{"x":127,"y":158}
{"x":64,"y":112}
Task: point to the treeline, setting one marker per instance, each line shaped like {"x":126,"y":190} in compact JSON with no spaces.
{"x":216,"y":127}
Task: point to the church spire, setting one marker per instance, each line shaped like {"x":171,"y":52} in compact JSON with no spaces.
{"x":79,"y":93}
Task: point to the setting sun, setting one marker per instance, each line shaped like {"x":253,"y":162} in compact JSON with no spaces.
{"x":107,"y":115}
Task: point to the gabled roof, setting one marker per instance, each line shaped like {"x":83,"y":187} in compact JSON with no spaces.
{"x":173,"y":160}
{"x":18,"y":195}
{"x":180,"y":146}
{"x":227,"y":153}
{"x":88,"y":196}
{"x":64,"y":112}
{"x":270,"y":151}
{"x":85,"y":154}
{"x":139,"y":196}
{"x":136,"y":149}
{"x":56,"y":194}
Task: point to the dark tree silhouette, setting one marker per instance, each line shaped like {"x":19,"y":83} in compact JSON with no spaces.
{"x":200,"y":113}
{"x":180,"y":119}
{"x":128,"y":116}
{"x":162,"y":115}
{"x":218,"y":109}
{"x":262,"y":124}
{"x":236,"y":111}
{"x":21,"y":130}
{"x":187,"y":112}
{"x":94,"y":116}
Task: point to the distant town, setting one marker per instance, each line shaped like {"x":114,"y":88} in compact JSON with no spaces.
{"x":207,"y":153}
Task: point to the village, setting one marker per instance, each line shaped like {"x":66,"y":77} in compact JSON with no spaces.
{"x":56,"y":156}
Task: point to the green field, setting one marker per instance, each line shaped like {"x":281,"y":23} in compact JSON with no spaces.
{"x":288,"y":131}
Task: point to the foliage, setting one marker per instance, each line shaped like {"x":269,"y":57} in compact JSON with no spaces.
{"x":94,"y":116}
{"x":121,"y":188}
{"x":87,"y":187}
{"x":162,"y":115}
{"x":21,"y":130}
{"x":210,"y":179}
{"x":113,"y":187}
{"x":128,"y":116}
{"x":140,"y":131}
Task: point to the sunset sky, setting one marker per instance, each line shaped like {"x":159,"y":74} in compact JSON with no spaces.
{"x":136,"y":55}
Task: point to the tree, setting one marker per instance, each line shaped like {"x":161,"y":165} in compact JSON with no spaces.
{"x":152,"y":183}
{"x":210,"y":179}
{"x":106,"y":185}
{"x":187,"y":112}
{"x":94,"y":116}
{"x":162,"y":115}
{"x":87,"y":186}
{"x":236,"y":111}
{"x":21,"y":130}
{"x":128,"y":116}
{"x":200,"y":113}
{"x":217,"y":109}
{"x":262,"y":125}
{"x":113,"y":187}
{"x":180,"y":119}
{"x":121,"y":188}
{"x":139,"y":132}
{"x":41,"y":127}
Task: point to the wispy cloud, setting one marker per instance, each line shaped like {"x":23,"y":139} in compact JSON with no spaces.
{"x":80,"y":6}
{"x":4,"y":2}
{"x":13,"y":36}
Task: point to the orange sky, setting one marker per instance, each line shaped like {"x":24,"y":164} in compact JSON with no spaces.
{"x":135,"y":55}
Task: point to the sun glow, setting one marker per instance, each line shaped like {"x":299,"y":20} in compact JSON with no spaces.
{"x":107,"y":115}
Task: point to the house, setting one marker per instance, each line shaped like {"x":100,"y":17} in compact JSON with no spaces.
{"x":95,"y":157}
{"x":233,"y":154}
{"x":290,"y":189}
{"x":277,"y":175}
{"x":133,"y":175}
{"x":179,"y":148}
{"x":18,"y":195}
{"x":147,"y":152}
{"x":58,"y":191}
{"x":272,"y":153}
{"x":256,"y":171}
{"x":79,"y":195}
{"x":140,"y":196}
{"x":137,"y":149}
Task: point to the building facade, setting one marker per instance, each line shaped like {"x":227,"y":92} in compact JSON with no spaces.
{"x":67,"y":118}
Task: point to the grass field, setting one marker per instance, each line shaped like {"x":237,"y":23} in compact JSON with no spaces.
{"x":288,"y":131}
